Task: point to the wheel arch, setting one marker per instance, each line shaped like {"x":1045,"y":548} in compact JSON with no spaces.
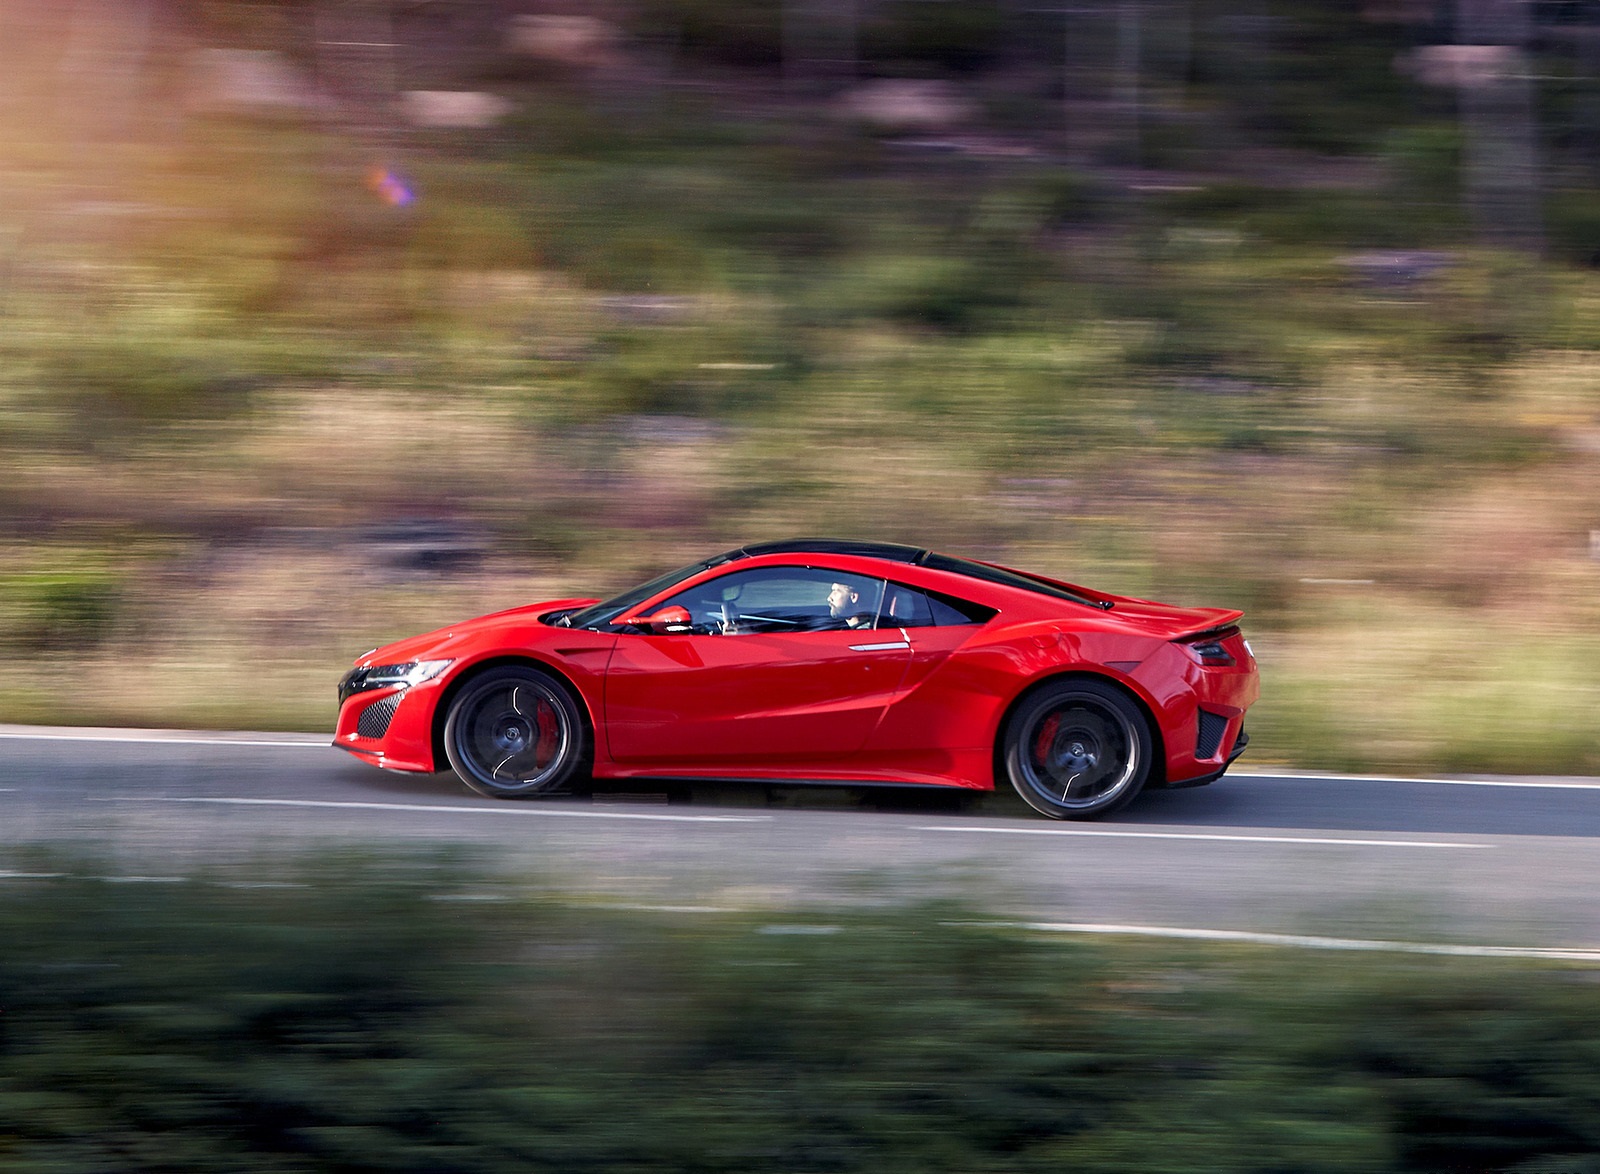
{"x":1158,"y":766}
{"x":447,"y":697}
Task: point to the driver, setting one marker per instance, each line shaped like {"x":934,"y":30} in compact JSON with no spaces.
{"x":844,"y":608}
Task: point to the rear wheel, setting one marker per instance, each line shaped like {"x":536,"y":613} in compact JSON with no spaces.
{"x":514,"y":732}
{"x":1077,"y":750}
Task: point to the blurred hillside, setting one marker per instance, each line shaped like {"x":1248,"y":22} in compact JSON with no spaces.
{"x":324,"y":322}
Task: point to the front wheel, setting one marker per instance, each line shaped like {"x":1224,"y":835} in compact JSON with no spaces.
{"x":514,"y":732}
{"x":1077,"y":750}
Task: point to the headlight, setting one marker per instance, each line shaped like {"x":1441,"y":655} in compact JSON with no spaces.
{"x":390,"y":676}
{"x":413,"y":672}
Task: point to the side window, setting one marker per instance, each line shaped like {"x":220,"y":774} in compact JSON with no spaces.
{"x":781,"y":599}
{"x":908,"y":607}
{"x":950,"y":612}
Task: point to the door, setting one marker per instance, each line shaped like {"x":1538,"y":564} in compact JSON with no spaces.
{"x":781,"y":664}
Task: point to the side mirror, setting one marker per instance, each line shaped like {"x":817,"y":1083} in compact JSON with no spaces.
{"x":668,"y":619}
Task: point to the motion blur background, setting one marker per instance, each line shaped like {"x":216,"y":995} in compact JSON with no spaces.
{"x":323,"y":322}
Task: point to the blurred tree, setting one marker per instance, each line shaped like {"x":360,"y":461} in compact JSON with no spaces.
{"x":356,"y":55}
{"x":819,"y":43}
{"x":1495,"y":91}
{"x":1083,"y":27}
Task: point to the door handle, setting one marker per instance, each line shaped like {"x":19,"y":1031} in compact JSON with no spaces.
{"x":884,"y":647}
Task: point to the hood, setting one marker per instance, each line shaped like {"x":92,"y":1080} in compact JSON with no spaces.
{"x":437,"y":644}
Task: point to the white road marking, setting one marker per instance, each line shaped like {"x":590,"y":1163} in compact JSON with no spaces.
{"x":1227,"y":837}
{"x":798,"y":930}
{"x":469,"y":897}
{"x":631,"y":907}
{"x":1312,"y":942}
{"x":144,"y":880}
{"x":1554,"y":784}
{"x":159,"y":737}
{"x":496,"y":811}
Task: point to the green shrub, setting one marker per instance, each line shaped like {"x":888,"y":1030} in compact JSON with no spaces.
{"x":116,"y":384}
{"x":407,"y":1015}
{"x":1573,"y":220}
{"x":951,"y":293}
{"x":1426,"y":160}
{"x":70,"y":607}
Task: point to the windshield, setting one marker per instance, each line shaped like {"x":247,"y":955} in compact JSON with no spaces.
{"x":604,"y":612}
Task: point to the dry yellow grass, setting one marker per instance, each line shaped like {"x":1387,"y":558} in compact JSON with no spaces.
{"x":1466,"y":631}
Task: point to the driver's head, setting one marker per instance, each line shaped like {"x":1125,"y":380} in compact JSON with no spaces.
{"x":842,"y":600}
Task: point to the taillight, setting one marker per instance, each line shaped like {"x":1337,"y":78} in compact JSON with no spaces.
{"x":1207,"y":647}
{"x":1211,"y":652}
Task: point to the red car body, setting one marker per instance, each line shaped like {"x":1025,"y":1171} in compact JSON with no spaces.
{"x":767,"y":697}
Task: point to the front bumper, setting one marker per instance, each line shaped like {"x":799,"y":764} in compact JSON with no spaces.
{"x":390,"y":728}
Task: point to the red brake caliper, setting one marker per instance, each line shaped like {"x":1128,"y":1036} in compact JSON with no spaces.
{"x":1045,"y":738}
{"x":549,"y":732}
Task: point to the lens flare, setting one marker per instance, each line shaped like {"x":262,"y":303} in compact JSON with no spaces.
{"x":389,"y":187}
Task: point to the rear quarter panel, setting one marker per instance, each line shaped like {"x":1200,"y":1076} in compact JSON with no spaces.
{"x":955,"y":700}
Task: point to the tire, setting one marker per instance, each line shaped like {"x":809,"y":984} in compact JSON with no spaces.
{"x":515,"y":732}
{"x":1077,"y":750}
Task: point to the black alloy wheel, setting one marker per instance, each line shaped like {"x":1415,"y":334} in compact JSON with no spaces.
{"x":514,"y":732}
{"x":1077,"y":750}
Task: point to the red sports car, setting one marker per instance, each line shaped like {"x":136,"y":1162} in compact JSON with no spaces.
{"x":819,"y":661}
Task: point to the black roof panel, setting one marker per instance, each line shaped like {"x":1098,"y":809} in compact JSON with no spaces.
{"x":893,"y":551}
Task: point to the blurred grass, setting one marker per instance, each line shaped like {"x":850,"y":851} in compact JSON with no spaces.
{"x":627,"y":328}
{"x":415,"y":1013}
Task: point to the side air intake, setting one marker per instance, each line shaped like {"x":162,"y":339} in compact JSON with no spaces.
{"x":1212,"y":727}
{"x":374,"y":720}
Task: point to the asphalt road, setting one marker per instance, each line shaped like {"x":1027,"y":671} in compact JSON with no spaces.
{"x":1511,"y":863}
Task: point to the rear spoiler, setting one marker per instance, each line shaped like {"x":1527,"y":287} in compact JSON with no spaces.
{"x":1224,"y":624}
